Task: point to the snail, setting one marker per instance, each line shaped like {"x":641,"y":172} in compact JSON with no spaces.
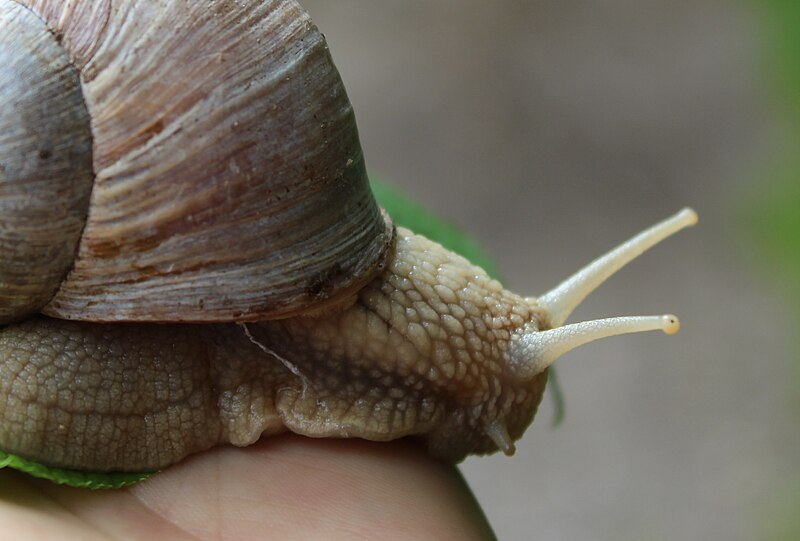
{"x":191,"y":254}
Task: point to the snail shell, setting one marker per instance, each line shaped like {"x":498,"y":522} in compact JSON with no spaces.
{"x":198,"y":162}
{"x":191,"y":161}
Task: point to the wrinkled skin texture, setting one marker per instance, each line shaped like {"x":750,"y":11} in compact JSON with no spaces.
{"x":421,"y":352}
{"x":286,"y":487}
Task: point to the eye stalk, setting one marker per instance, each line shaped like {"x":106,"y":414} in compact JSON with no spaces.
{"x":533,"y":350}
{"x":540,"y":349}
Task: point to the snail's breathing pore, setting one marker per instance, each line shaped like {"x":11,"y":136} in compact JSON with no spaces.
{"x":433,"y":348}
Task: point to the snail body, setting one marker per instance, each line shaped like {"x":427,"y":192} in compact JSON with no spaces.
{"x":381,"y":369}
{"x":221,"y":188}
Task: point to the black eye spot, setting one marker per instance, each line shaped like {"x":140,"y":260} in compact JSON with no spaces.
{"x":45,"y":154}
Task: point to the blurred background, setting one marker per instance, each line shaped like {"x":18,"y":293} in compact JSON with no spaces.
{"x":551,"y":130}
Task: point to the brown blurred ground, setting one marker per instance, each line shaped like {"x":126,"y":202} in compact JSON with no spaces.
{"x":551,"y":130}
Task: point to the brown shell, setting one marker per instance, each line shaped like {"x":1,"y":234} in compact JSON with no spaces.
{"x":229,"y":179}
{"x":45,"y":163}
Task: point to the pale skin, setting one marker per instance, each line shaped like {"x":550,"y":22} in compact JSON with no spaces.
{"x":285,"y":487}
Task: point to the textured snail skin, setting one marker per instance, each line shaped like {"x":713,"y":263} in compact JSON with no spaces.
{"x":420,"y":352}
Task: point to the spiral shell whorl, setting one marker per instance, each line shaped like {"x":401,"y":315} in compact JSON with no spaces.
{"x":45,"y":163}
{"x":230,"y":182}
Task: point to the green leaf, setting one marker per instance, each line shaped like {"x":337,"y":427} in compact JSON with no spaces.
{"x":773,"y":215}
{"x":775,"y":220}
{"x":72,"y":478}
{"x":780,"y":23}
